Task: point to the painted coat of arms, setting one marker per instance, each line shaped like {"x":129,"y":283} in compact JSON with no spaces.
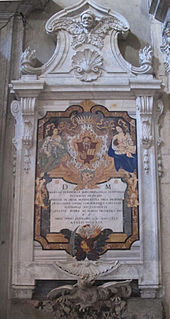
{"x":86,"y":199}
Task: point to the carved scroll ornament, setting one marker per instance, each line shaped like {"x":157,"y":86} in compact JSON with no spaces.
{"x":87,"y":32}
{"x":24,"y":112}
{"x":145,"y":106}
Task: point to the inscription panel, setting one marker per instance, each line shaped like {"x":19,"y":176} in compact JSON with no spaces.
{"x":86,"y":199}
{"x":102,"y":206}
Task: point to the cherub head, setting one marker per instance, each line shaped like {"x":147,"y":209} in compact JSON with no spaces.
{"x":88,"y":19}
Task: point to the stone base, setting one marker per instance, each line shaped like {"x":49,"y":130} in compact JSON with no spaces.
{"x":137,"y":308}
{"x":24,"y":310}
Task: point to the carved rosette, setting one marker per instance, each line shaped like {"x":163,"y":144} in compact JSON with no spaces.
{"x":145,"y":107}
{"x":87,"y":65}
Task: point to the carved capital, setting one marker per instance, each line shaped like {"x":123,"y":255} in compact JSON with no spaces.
{"x":145,"y":107}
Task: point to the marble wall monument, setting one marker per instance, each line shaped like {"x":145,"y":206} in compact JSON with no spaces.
{"x":87,"y":162}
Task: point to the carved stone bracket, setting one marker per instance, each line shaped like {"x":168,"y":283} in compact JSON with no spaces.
{"x":24,"y":114}
{"x":145,"y":107}
{"x":24,"y":111}
{"x":28,"y":112}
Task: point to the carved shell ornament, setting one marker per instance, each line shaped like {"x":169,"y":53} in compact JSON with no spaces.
{"x":87,"y":65}
{"x":87,"y":32}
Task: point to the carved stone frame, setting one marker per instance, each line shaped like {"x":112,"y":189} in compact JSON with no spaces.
{"x":37,"y":94}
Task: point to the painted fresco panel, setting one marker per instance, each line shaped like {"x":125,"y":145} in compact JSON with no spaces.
{"x":86,"y":199}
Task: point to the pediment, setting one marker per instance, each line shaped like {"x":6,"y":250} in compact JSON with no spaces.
{"x":87,"y":48}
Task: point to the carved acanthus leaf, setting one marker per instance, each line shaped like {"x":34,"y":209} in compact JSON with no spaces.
{"x":145,"y":58}
{"x":29,"y":62}
{"x":145,"y":55}
{"x":87,"y":65}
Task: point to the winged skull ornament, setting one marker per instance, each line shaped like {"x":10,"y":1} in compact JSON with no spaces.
{"x":89,"y":30}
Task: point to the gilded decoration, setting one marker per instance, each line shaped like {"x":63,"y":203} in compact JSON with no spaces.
{"x":86,"y":199}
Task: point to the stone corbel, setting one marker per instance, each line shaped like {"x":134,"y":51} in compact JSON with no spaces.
{"x":165,"y":49}
{"x":28,"y":117}
{"x":24,"y":111}
{"x":24,"y":114}
{"x":145,"y":107}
